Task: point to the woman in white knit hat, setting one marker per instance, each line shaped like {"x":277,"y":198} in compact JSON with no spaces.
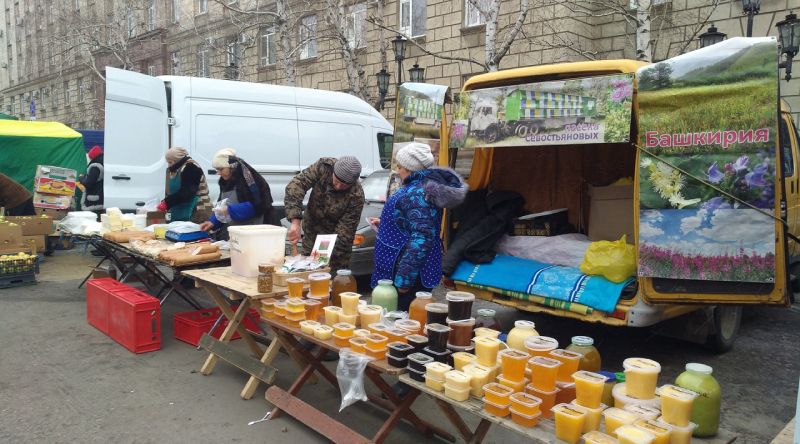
{"x":248,"y":194}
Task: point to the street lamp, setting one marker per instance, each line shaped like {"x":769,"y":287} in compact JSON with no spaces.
{"x":711,"y":37}
{"x":399,"y":45}
{"x":383,"y":83}
{"x":750,"y":8}
{"x":789,"y":32}
{"x":416,"y":74}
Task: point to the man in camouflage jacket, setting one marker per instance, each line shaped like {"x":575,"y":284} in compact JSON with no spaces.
{"x":334,"y":206}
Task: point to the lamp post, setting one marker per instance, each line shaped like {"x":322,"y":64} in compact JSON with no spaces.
{"x":750,"y":8}
{"x":711,"y":37}
{"x":415,"y":74}
{"x":789,"y":32}
{"x":399,"y":46}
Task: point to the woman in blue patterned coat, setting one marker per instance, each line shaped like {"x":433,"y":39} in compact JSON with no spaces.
{"x":408,"y":249}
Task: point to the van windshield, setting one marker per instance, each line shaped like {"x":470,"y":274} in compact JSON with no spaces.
{"x":375,"y":186}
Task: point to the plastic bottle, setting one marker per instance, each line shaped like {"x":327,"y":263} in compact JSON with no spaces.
{"x":522,"y":330}
{"x":385,"y":295}
{"x":486,"y":318}
{"x":343,"y":282}
{"x":706,"y":408}
{"x":591,"y":357}
{"x":416,"y":310}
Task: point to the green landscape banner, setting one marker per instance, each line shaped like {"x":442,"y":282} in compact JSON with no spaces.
{"x":580,"y":111}
{"x":713,"y":115}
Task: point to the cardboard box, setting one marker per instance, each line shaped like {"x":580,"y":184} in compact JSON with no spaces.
{"x":52,"y":201}
{"x":15,"y":248}
{"x":156,"y":217}
{"x":611,"y":213}
{"x":55,"y":180}
{"x":38,"y":243}
{"x":33,"y":225}
{"x":10,"y":234}
{"x":102,"y":272}
{"x":56,"y":215}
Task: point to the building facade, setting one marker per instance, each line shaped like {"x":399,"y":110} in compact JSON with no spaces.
{"x":53,"y":53}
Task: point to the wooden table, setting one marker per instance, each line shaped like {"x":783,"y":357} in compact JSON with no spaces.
{"x":544,"y":432}
{"x":214,"y":281}
{"x":327,"y":426}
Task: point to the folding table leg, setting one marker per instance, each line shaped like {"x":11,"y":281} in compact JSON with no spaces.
{"x":268,"y":357}
{"x":455,"y":419}
{"x":234,"y":325}
{"x":304,"y":375}
{"x":293,"y":353}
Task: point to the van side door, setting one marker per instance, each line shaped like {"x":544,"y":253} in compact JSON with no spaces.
{"x":791,"y":179}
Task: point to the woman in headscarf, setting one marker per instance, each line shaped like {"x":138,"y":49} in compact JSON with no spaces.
{"x":187,"y":192}
{"x":248,"y":194}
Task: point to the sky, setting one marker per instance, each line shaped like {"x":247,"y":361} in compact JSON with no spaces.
{"x":708,"y":232}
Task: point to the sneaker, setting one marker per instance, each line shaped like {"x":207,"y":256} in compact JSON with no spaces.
{"x":331,"y":356}
{"x":96,"y":252}
{"x":308,"y":345}
{"x":401,"y":389}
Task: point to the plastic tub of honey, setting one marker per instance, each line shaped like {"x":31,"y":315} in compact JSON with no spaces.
{"x":376,"y":342}
{"x":436,"y":314}
{"x":593,"y":417}
{"x":498,"y":393}
{"x":599,"y":438}
{"x":616,"y":418}
{"x":569,"y":422}
{"x":437,"y":356}
{"x":376,"y":327}
{"x":350,"y":302}
{"x":415,"y":375}
{"x":525,"y":403}
{"x":513,"y":364}
{"x":370,"y":314}
{"x":589,"y":388}
{"x":418,"y":361}
{"x":280,"y":318}
{"x":395,"y":334}
{"x":548,"y":399}
{"x":280,"y":308}
{"x":660,"y":430}
{"x":569,"y":364}
{"x":543,"y":372}
{"x":486,"y":332}
{"x":680,"y":435}
{"x":358,"y":344}
{"x":455,"y":394}
{"x":313,"y":308}
{"x":349,"y":319}
{"x":566,"y":392}
{"x":438,"y":335}
{"x":268,"y":314}
{"x":517,"y":386}
{"x":486,"y":350}
{"x":496,"y":409}
{"x":294,"y":323}
{"x":676,"y":404}
{"x":323,"y":300}
{"x":377,"y":354}
{"x":268,"y":304}
{"x":540,"y":345}
{"x":461,"y":331}
{"x":320,"y":283}
{"x":295,"y":305}
{"x":480,"y":377}
{"x":643,"y":411}
{"x":331,"y":315}
{"x":629,"y":434}
{"x":523,"y":419}
{"x":344,"y":329}
{"x":361,"y":332}
{"x":295,"y":287}
{"x":399,"y":349}
{"x":460,"y":359}
{"x":459,"y":305}
{"x":341,"y":341}
{"x":419,"y":342}
{"x":411,"y":326}
{"x":621,"y":398}
{"x":308,"y":327}
{"x":396,"y":362}
{"x":295,"y":317}
{"x":436,"y":370}
{"x":434,"y":383}
{"x":641,"y":377}
{"x":458,"y":380}
{"x":323,"y":332}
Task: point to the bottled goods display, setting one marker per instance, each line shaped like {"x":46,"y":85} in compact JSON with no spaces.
{"x":487,"y":319}
{"x":591,"y":357}
{"x":343,"y":282}
{"x":641,"y":377}
{"x":459,"y":305}
{"x":320,"y":284}
{"x":436,"y":314}
{"x":522,"y":330}
{"x":385,"y":295}
{"x":706,"y":408}
{"x":461,"y":331}
{"x":416,"y":310}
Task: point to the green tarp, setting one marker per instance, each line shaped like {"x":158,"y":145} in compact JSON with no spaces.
{"x":7,"y":117}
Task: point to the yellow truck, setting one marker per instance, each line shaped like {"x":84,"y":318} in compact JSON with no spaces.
{"x":713,"y":156}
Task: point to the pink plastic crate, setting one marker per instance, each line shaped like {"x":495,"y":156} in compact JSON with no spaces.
{"x":134,"y":320}
{"x":97,"y":291}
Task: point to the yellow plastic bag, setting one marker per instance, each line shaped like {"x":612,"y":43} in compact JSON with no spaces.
{"x":614,"y":260}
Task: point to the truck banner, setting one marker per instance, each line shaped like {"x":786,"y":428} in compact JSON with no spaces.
{"x":712,"y":114}
{"x":582,"y":111}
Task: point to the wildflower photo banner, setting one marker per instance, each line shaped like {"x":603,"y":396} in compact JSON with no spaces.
{"x":713,"y":114}
{"x":581,"y":111}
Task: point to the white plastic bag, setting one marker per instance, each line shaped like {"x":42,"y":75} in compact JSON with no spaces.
{"x":388,"y":319}
{"x":182,"y":227}
{"x":224,"y":218}
{"x":74,"y":225}
{"x":350,"y":374}
{"x":150,"y":205}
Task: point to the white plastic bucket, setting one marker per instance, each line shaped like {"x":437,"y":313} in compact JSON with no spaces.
{"x":255,"y":244}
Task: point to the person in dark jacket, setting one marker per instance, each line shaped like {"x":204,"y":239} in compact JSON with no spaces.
{"x":187,"y":192}
{"x":92,"y":181}
{"x":15,"y":198}
{"x":408,"y":248}
{"x":248,"y":194}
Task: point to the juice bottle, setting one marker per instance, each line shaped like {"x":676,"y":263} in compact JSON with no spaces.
{"x":486,"y":319}
{"x":417,"y":309}
{"x":590,"y":361}
{"x":343,"y":282}
{"x":706,"y":408}
{"x":385,"y":295}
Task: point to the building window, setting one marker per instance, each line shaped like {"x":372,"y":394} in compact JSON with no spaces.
{"x":55,"y":96}
{"x":308,"y":37}
{"x":176,"y":11}
{"x":51,"y":14}
{"x":476,"y":16}
{"x":357,"y":25}
{"x":66,"y":93}
{"x":77,"y":5}
{"x":268,"y":48}
{"x":202,"y":61}
{"x":43,"y":94}
{"x":131,"y":24}
{"x":202,"y":6}
{"x":151,"y":69}
{"x":81,"y":94}
{"x":234,"y":53}
{"x":412,"y":17}
{"x":175,"y":66}
{"x":635,"y":3}
{"x":151,"y":15}
{"x":13,"y":105}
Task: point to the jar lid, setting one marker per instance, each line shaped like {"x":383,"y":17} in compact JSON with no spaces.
{"x":424,"y":295}
{"x":386,"y":282}
{"x":524,"y":324}
{"x":486,"y":313}
{"x":344,"y":272}
{"x":319,"y":276}
{"x":459,"y":296}
{"x":611,"y":376}
{"x":582,"y":340}
{"x":695,"y":367}
{"x":620,"y":377}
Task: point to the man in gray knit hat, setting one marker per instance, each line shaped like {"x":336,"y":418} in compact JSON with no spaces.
{"x":334,"y":206}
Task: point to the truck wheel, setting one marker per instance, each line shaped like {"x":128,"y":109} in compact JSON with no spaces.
{"x":491,"y":134}
{"x":727,"y":320}
{"x":534,"y":129}
{"x":522,"y":130}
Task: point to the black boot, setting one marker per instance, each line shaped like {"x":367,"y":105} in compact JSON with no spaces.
{"x":331,"y":356}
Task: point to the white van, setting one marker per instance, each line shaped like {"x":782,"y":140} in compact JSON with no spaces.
{"x":278,"y":130}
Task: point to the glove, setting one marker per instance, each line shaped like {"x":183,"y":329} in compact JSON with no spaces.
{"x":162,"y":206}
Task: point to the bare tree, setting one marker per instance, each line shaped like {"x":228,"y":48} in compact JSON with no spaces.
{"x":349,"y":32}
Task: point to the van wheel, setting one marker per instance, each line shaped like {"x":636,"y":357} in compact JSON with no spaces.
{"x":491,"y":134}
{"x":727,"y":320}
{"x":522,"y":130}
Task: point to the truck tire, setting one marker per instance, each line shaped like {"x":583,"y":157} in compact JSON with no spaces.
{"x":491,"y":134}
{"x":522,"y":130}
{"x":727,"y":320}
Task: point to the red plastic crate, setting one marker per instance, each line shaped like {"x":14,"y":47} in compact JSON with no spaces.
{"x":97,"y":291}
{"x":134,"y":320}
{"x":190,"y":326}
